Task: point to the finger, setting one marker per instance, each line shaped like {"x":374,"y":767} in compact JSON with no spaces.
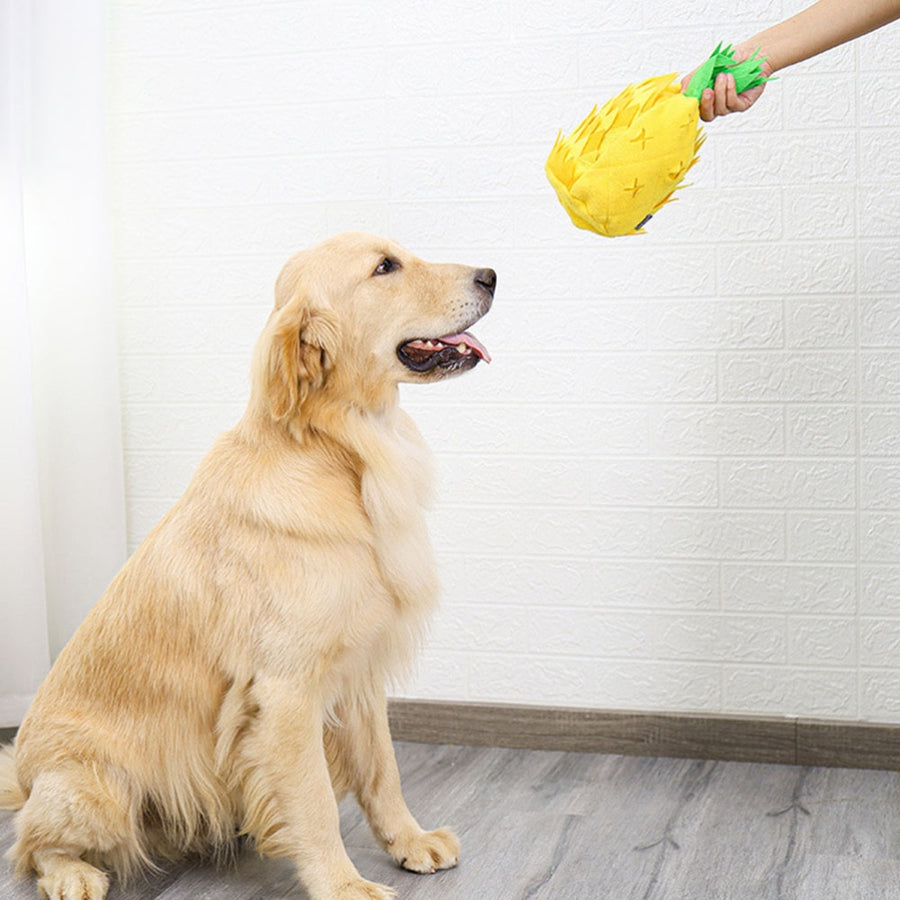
{"x":707,"y":105}
{"x":731,"y":97}
{"x":722,"y":106}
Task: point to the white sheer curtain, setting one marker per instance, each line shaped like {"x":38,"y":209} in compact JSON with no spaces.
{"x":62,"y":518}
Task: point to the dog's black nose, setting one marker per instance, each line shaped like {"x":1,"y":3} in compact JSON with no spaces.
{"x":486,"y":279}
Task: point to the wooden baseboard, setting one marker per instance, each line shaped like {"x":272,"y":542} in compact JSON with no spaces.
{"x":803,"y":742}
{"x":790,"y":741}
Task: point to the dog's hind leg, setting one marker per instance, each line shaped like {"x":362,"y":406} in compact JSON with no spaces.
{"x":73,"y":814}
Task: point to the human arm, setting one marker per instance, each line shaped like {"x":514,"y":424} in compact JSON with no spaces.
{"x":820,"y":27}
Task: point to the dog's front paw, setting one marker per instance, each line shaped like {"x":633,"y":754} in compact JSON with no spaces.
{"x":76,"y":881}
{"x":365,"y":890}
{"x":426,"y":851}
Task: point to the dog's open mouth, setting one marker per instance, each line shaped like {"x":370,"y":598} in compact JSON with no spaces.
{"x":453,"y":351}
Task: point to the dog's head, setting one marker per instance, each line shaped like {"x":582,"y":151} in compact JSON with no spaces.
{"x":358,"y":314}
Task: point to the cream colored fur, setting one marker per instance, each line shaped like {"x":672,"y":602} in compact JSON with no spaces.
{"x":232,"y":677}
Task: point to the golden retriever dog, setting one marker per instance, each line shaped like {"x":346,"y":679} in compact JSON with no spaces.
{"x":231,"y":680}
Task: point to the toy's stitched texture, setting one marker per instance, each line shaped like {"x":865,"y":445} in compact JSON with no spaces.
{"x":626,"y":159}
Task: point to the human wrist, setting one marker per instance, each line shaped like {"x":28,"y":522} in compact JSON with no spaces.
{"x":767,"y":47}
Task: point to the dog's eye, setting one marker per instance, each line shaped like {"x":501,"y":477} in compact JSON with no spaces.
{"x":386,"y":266}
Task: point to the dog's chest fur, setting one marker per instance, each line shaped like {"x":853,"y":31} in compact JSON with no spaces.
{"x":337,"y":536}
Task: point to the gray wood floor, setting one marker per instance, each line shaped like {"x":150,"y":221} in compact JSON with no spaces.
{"x":568,"y":826}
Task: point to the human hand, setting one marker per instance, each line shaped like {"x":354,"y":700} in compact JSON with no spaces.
{"x":723,"y":98}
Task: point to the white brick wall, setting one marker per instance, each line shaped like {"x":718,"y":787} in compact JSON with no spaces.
{"x":678,"y":485}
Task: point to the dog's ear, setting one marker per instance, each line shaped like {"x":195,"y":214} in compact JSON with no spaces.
{"x":299,"y":345}
{"x":303,"y":343}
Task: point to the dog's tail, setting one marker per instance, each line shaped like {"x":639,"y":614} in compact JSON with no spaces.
{"x":11,"y":794}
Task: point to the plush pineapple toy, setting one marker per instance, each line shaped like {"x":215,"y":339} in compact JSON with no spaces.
{"x":625,"y":160}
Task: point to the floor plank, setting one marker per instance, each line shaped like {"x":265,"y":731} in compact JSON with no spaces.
{"x":552,"y":825}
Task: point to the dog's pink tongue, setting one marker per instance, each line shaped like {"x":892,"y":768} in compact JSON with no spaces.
{"x":465,"y":338}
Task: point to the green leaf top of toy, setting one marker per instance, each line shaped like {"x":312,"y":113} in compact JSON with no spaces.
{"x":747,"y":73}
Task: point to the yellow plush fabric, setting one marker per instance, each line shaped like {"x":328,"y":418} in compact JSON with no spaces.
{"x":624,"y":161}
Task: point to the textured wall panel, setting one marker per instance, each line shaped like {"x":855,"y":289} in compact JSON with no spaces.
{"x":677,"y":487}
